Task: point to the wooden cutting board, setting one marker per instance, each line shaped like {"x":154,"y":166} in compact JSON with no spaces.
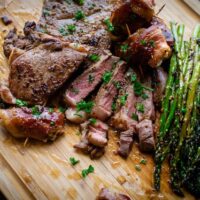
{"x":42,"y":171}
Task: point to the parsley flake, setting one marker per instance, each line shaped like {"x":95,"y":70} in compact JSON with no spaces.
{"x":87,"y":171}
{"x":134,"y":117}
{"x":152,"y":43}
{"x":21,"y":103}
{"x":79,"y":2}
{"x":52,"y":123}
{"x":137,"y":167}
{"x":143,"y":42}
{"x":123,"y":99}
{"x":143,"y":161}
{"x":35,"y":111}
{"x":50,"y":110}
{"x":106,"y":77}
{"x":109,"y":25}
{"x":93,"y":121}
{"x":113,"y":106}
{"x":85,"y":106}
{"x":71,"y":28}
{"x":140,"y":107}
{"x":79,"y":15}
{"x":61,"y":109}
{"x":73,"y":161}
{"x":94,"y":57}
{"x":90,"y":78}
{"x":124,"y":48}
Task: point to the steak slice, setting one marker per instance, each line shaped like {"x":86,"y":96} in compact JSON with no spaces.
{"x":146,"y":135}
{"x":83,"y":85}
{"x":39,"y":72}
{"x":90,"y":30}
{"x":23,"y":123}
{"x":108,"y":92}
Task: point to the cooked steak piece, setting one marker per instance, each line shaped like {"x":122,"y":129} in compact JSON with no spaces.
{"x":39,"y":72}
{"x":97,"y":134}
{"x":106,"y":194}
{"x":93,"y":134}
{"x":75,"y":116}
{"x":144,"y":106}
{"x":146,"y":135}
{"x":78,"y":23}
{"x":83,"y":85}
{"x":125,"y":122}
{"x":149,"y":44}
{"x":160,"y":84}
{"x":6,"y":20}
{"x":37,"y":123}
{"x":108,"y":92}
{"x":6,"y":95}
{"x":156,"y":21}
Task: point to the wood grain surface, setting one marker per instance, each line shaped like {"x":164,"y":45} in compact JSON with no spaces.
{"x":42,"y":171}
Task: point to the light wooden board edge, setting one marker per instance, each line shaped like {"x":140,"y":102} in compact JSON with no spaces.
{"x":194,"y":4}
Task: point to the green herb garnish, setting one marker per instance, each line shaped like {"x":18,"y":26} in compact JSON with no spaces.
{"x":106,"y":77}
{"x":35,"y":111}
{"x":117,"y":84}
{"x":67,"y":29}
{"x":143,"y":161}
{"x":71,"y":28}
{"x":152,"y":43}
{"x":79,"y":2}
{"x":79,"y":15}
{"x":109,"y":25}
{"x":134,"y":117}
{"x":123,"y":99}
{"x":50,"y":110}
{"x":85,"y":106}
{"x":143,"y":42}
{"x":94,"y":57}
{"x":113,"y":106}
{"x":93,"y":121}
{"x":144,"y":96}
{"x":140,"y":107}
{"x":137,"y":167}
{"x":124,"y":48}
{"x":90,"y":78}
{"x":46,"y":12}
{"x":21,"y":103}
{"x":52,"y":123}
{"x":73,"y":161}
{"x":85,"y":172}
{"x":61,"y":109}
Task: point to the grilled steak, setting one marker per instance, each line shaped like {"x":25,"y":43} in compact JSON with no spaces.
{"x":83,"y":85}
{"x":146,"y":135}
{"x":107,"y":93}
{"x":37,"y":123}
{"x":106,"y":194}
{"x":89,"y":29}
{"x":39,"y":72}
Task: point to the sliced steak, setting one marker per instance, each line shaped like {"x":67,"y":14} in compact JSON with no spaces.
{"x":146,"y":135}
{"x":90,"y":30}
{"x":39,"y":72}
{"x":106,"y":194}
{"x":144,"y":106}
{"x":108,"y":92}
{"x":83,"y":85}
{"x":149,"y":44}
{"x":41,"y":125}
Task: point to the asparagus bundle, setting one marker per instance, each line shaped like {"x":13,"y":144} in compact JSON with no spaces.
{"x":179,"y":119}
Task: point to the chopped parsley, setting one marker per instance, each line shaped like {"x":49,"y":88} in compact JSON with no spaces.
{"x":85,"y":106}
{"x":143,"y":42}
{"x":140,"y":107}
{"x":117,"y":84}
{"x":50,"y":110}
{"x":61,"y":109}
{"x":134,"y":117}
{"x":152,"y":43}
{"x":137,"y":167}
{"x":92,"y":120}
{"x":79,"y":15}
{"x":113,"y":106}
{"x":124,"y":48}
{"x":90,"y":78}
{"x":79,"y":2}
{"x":73,"y":161}
{"x":123,"y":99}
{"x":67,"y":29}
{"x":52,"y":123}
{"x":144,"y":96}
{"x":143,"y":161}
{"x":46,"y":12}
{"x":35,"y":111}
{"x":109,"y":25}
{"x":21,"y":103}
{"x":94,"y":57}
{"x":106,"y":77}
{"x":133,"y":78}
{"x":87,"y":171}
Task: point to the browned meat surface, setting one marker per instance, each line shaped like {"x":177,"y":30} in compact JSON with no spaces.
{"x":37,"y":123}
{"x":84,"y":84}
{"x":149,"y":44}
{"x":144,"y":8}
{"x":93,"y":139}
{"x":160,"y":84}
{"x":146,"y":135}
{"x":106,"y":194}
{"x":6,"y":95}
{"x":108,"y":92}
{"x":39,"y":72}
{"x":156,"y":21}
{"x":90,"y":30}
{"x":6,"y":20}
